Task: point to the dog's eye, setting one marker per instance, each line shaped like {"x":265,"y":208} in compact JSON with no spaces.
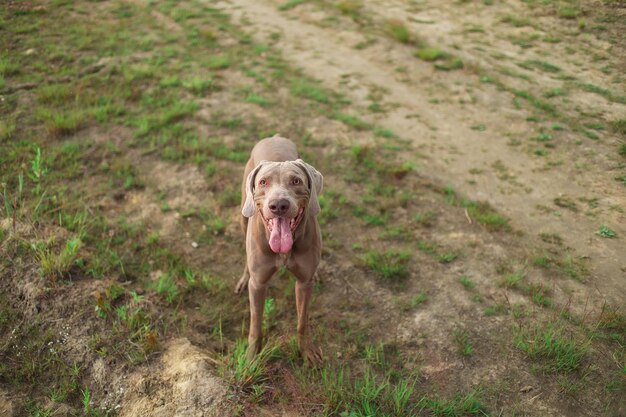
{"x":296,"y":181}
{"x":262,"y":182}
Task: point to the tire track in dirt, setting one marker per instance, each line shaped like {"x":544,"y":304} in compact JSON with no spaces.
{"x":453,"y":148}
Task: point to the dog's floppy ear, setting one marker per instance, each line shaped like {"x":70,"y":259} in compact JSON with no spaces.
{"x":248,"y":206}
{"x":316,"y":183}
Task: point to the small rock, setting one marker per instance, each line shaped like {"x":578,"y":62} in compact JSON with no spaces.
{"x":30,"y":51}
{"x":194,"y":244}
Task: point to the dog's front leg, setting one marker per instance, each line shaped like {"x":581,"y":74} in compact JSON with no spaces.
{"x":256,"y":292}
{"x":261,"y":270}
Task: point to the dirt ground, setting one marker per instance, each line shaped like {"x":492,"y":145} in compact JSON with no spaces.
{"x":480,"y":146}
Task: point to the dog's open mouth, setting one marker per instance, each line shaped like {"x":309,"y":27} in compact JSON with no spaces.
{"x":281,"y":231}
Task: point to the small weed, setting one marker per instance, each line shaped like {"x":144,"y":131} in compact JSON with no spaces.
{"x":606,"y":232}
{"x":447,"y":257}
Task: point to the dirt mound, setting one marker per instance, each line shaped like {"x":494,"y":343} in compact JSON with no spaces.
{"x":181,"y":384}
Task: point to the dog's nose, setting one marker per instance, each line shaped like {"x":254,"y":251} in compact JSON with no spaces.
{"x":279,"y":207}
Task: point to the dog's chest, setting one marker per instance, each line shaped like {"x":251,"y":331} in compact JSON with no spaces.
{"x":283,"y":259}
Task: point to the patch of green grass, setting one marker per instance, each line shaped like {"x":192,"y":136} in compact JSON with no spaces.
{"x":552,"y":348}
{"x":555,"y":92}
{"x":301,"y":87}
{"x":290,"y":4}
{"x":549,"y":108}
{"x":568,"y":11}
{"x":459,"y":406}
{"x":55,"y":94}
{"x":516,"y":21}
{"x":352,"y":121}
{"x":218,"y":62}
{"x":257,"y":99}
{"x":486,"y":215}
{"x":247,"y":374}
{"x":198,"y":85}
{"x":59,"y":123}
{"x":166,"y":286}
{"x":391,"y":265}
{"x":541,"y":65}
{"x":607,"y":94}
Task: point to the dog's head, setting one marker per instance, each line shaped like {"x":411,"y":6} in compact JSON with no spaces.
{"x":282,"y":192}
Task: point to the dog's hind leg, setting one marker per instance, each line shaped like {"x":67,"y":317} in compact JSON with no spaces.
{"x":243,"y":281}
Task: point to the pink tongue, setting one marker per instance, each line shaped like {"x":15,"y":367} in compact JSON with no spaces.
{"x":281,"y":240}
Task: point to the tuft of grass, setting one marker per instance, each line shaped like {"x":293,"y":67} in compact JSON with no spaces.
{"x":56,"y":265}
{"x":462,"y":342}
{"x":397,"y":30}
{"x":247,"y":374}
{"x":290,"y":4}
{"x":552,"y":348}
{"x":59,"y":124}
{"x":467,"y":283}
{"x":391,"y":265}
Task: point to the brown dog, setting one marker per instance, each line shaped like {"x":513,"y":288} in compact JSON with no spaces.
{"x":279,"y":205}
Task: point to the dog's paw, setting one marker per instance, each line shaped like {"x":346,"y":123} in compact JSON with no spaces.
{"x":311,"y":354}
{"x":242,"y":285}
